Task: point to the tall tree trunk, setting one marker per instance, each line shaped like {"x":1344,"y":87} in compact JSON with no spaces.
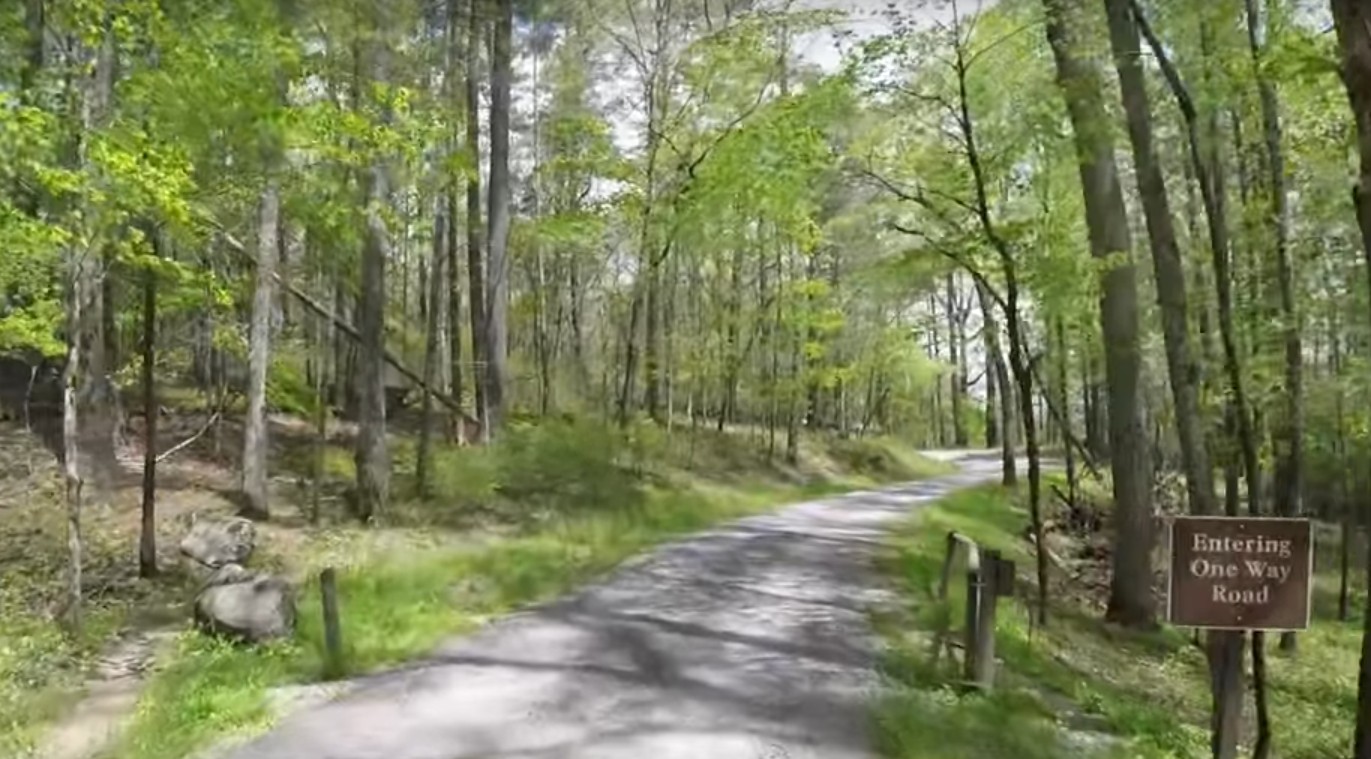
{"x":652,"y":342}
{"x":476,"y":251}
{"x":992,"y":412}
{"x":1344,"y":500}
{"x":454,"y":305}
{"x":1064,"y":399}
{"x":455,"y":93}
{"x":1183,"y":369}
{"x":256,"y":446}
{"x":97,"y":395}
{"x":1130,"y":597}
{"x":499,"y":192}
{"x":1009,"y":475}
{"x":1289,"y":435}
{"x":1018,"y":362}
{"x":1352,"y":19}
{"x":957,"y":353}
{"x":372,"y":456}
{"x":436,"y":313}
{"x":1023,"y":376}
{"x":71,"y":447}
{"x":147,"y":536}
{"x":1225,"y":648}
{"x":935,"y":353}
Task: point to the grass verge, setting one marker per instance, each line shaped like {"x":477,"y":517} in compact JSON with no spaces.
{"x":1080,"y":687}
{"x":593,"y":512}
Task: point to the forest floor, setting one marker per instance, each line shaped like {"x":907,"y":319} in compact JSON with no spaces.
{"x":551,"y":506}
{"x":1079,"y":686}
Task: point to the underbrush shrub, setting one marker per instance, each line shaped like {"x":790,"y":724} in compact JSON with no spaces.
{"x":466,"y":478}
{"x":566,"y":466}
{"x":288,"y":388}
{"x":861,"y":456}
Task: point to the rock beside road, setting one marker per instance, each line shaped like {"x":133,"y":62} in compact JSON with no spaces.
{"x":214,"y":543}
{"x":242,"y":605}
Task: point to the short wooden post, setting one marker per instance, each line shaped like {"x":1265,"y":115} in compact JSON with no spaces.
{"x":984,"y":675}
{"x":333,"y":632}
{"x":975,"y":589}
{"x":944,"y":620}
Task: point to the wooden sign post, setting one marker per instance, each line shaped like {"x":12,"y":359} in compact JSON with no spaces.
{"x":1240,"y":573}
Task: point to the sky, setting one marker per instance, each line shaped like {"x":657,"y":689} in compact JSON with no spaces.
{"x":869,"y":18}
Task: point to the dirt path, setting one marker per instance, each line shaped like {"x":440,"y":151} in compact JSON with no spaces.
{"x":746,"y":641}
{"x":109,"y":699}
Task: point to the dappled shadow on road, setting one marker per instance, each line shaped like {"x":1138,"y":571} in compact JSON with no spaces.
{"x":747,"y":641}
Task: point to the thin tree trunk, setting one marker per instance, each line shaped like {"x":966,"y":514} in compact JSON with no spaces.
{"x":1009,"y":475}
{"x":1340,"y":454}
{"x":992,"y":412}
{"x":497,"y":307}
{"x":323,"y":328}
{"x":454,"y":306}
{"x":454,"y":92}
{"x":1017,"y":360}
{"x":1290,"y":431}
{"x":957,"y":355}
{"x":476,"y":289}
{"x":71,"y":450}
{"x":1063,"y":398}
{"x":423,"y":466}
{"x":1183,"y":369}
{"x":256,"y":446}
{"x":147,"y":537}
{"x":1225,"y":647}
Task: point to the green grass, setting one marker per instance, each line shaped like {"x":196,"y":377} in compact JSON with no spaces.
{"x":592,"y":503}
{"x":42,"y":663}
{"x":1147,"y":690}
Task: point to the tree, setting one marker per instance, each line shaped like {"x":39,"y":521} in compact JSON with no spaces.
{"x":1353,"y":23}
{"x":256,"y":447}
{"x":476,"y":249}
{"x":372,"y":456}
{"x":1130,"y":598}
{"x":497,"y":305}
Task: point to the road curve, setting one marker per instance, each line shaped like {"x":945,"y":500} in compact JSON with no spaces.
{"x":745,"y":642}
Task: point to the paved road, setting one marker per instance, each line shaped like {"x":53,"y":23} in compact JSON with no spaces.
{"x":746,"y":642}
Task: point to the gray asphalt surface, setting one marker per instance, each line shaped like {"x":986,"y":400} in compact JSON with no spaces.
{"x":748,"y":641}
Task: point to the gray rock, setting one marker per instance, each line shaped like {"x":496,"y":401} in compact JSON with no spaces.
{"x":229,"y":574}
{"x":255,"y":611}
{"x":214,"y":542}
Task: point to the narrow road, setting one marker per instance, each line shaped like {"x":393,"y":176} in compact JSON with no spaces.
{"x":749,"y":641}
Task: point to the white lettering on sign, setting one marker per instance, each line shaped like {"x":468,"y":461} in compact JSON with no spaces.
{"x":1206,"y":568}
{"x":1255,"y":544}
{"x":1226,"y":559}
{"x":1246,"y":596}
{"x":1265,"y":571}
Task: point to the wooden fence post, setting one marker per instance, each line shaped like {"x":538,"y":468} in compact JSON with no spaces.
{"x":975,"y":590}
{"x":944,"y":620}
{"x":984,"y":675}
{"x":333,"y":632}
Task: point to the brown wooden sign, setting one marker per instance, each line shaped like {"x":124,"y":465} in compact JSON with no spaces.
{"x":1240,"y":573}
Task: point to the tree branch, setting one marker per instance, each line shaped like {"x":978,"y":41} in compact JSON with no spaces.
{"x":1173,"y":77}
{"x":345,"y":327}
{"x":957,"y":259}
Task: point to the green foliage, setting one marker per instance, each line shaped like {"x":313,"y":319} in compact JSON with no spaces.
{"x":289,"y":390}
{"x":1147,"y":690}
{"x":399,"y":604}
